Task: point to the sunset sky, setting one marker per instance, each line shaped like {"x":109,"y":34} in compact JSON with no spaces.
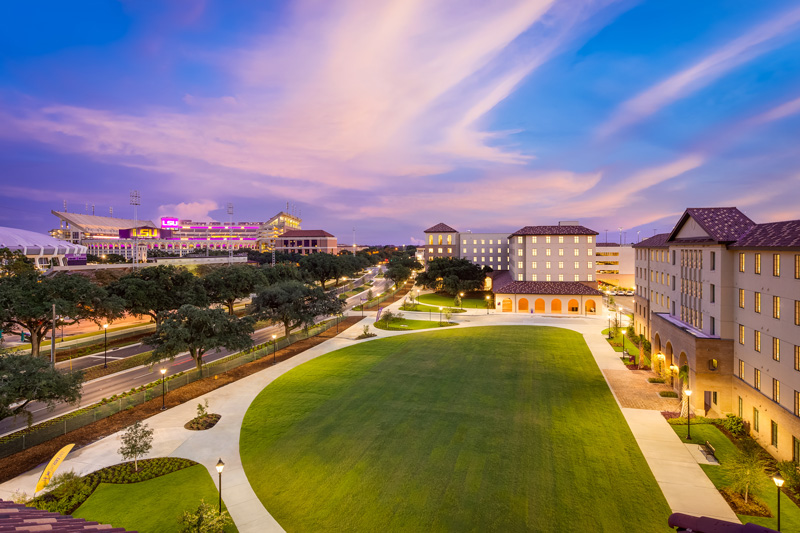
{"x":393,"y":115}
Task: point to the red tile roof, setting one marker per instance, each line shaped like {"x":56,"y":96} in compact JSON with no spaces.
{"x":772,"y":235}
{"x":547,"y":287}
{"x":723,"y":224}
{"x":305,"y":233}
{"x":656,"y":241}
{"x":554,"y":230}
{"x":17,"y":517}
{"x":441,"y":227}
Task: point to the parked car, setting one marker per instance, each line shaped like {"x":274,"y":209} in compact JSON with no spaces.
{"x":628,"y":293}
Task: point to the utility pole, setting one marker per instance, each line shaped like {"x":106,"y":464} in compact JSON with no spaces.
{"x":135,"y":202}
{"x":620,"y":235}
{"x":53,"y":340}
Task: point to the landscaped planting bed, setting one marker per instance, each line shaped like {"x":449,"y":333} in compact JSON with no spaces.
{"x":483,"y":429}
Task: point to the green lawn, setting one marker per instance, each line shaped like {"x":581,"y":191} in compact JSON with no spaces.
{"x":471,"y":300}
{"x":422,"y":308}
{"x":629,"y":345}
{"x":407,"y":325}
{"x":154,"y":505}
{"x":765,"y":491}
{"x":482,"y":429}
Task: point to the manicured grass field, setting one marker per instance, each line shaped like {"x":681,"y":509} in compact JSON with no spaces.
{"x":407,"y":325}
{"x":471,"y":300}
{"x":153,"y":506}
{"x":481,"y":429}
{"x":764,"y":491}
{"x":422,"y":308}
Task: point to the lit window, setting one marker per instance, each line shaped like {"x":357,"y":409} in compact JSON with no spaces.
{"x":757,"y":303}
{"x":519,"y":277}
{"x":533,"y":239}
{"x":519,"y":264}
{"x":547,"y":277}
{"x":519,"y":240}
{"x":474,"y":250}
{"x":449,"y":239}
{"x":589,"y":252}
{"x":474,"y":259}
{"x":589,"y":264}
{"x":577,"y":239}
{"x":547,"y":239}
{"x":797,"y":312}
{"x":577,"y":252}
{"x":741,"y":334}
{"x":440,"y":250}
{"x":577,"y":277}
{"x":440,"y":239}
{"x":741,"y":261}
{"x":449,"y":250}
{"x":547,"y":251}
{"x":561,"y":264}
{"x":534,"y":251}
{"x":776,"y":348}
{"x":491,"y":259}
{"x":430,"y":250}
{"x":483,"y":241}
{"x":796,"y":413}
{"x":483,"y":251}
{"x":776,"y":307}
{"x":590,"y":239}
{"x":797,"y":358}
{"x":758,"y":263}
{"x":561,"y":239}
{"x":797,"y":266}
{"x":430,"y":239}
{"x":534,"y":277}
{"x":560,"y":251}
{"x":533,"y":264}
{"x":589,"y":277}
{"x":741,"y":298}
{"x":757,"y":341}
{"x":741,"y":369}
{"x":774,"y":432}
{"x":561,"y":277}
{"x":520,"y":252}
{"x":547,"y":265}
{"x":755,"y":419}
{"x":776,"y":390}
{"x":577,"y":265}
{"x":757,"y":378}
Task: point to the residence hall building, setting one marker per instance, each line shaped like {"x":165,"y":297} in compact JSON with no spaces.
{"x":614,"y":264}
{"x":305,"y":242}
{"x":721,"y":294}
{"x":537,"y":269}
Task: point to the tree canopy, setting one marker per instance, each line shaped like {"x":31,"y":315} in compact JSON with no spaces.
{"x":26,"y":301}
{"x":226,"y":284}
{"x":155,"y":290}
{"x":453,"y":275}
{"x":12,"y":263}
{"x":197,"y":330}
{"x":294,"y":304}
{"x":25,"y":379}
{"x":321,"y":267}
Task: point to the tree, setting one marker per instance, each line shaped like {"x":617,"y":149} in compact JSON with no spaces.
{"x":26,"y":301}
{"x":453,"y":275}
{"x":387,"y":317}
{"x":205,"y":519}
{"x":294,"y":304}
{"x":321,"y":267}
{"x":13,"y":263}
{"x":155,"y":290}
{"x":25,"y":379}
{"x":229,"y":283}
{"x":398,"y":273}
{"x":745,"y":468}
{"x":136,"y":442}
{"x":198,"y":330}
{"x":280,"y":272}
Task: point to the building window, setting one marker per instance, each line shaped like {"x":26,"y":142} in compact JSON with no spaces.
{"x":534,"y":277}
{"x":561,"y":264}
{"x":741,"y":369}
{"x":589,"y":239}
{"x":449,"y":250}
{"x":560,"y":251}
{"x":774,"y":433}
{"x":776,"y":265}
{"x":589,"y":277}
{"x":577,"y":265}
{"x":533,"y":239}
{"x":440,"y":250}
{"x":741,"y":407}
{"x":519,"y":277}
{"x":534,"y":264}
{"x":797,"y":266}
{"x":589,"y":264}
{"x":713,"y":293}
{"x":797,"y":312}
{"x":713,"y":364}
{"x":440,"y":239}
{"x":713,"y":326}
{"x":547,"y":239}
{"x":757,"y":268}
{"x":576,"y":252}
{"x":577,"y":239}
{"x":776,"y":307}
{"x":757,"y":340}
{"x":797,"y":358}
{"x":795,"y":449}
{"x":430,"y":239}
{"x":561,"y":277}
{"x":741,"y":261}
{"x":741,"y":298}
{"x":741,"y":334}
{"x":547,"y":265}
{"x":519,"y":240}
{"x":757,"y":378}
{"x":561,"y":239}
{"x":673,"y":257}
{"x":547,"y":278}
{"x":755,"y":419}
{"x":590,"y":253}
{"x":713,"y":260}
{"x":776,"y":391}
{"x":519,"y":264}
{"x":547,"y":251}
{"x":757,"y":303}
{"x":534,"y":252}
{"x":776,"y":348}
{"x":577,"y":277}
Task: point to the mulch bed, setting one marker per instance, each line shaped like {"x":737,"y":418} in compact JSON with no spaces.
{"x":399,"y":295}
{"x":202,"y":422}
{"x":14,"y":465}
{"x":753,"y":507}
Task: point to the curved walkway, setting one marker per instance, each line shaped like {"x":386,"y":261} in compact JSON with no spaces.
{"x":691,"y":495}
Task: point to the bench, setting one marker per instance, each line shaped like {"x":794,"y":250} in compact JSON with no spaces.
{"x":708,"y":450}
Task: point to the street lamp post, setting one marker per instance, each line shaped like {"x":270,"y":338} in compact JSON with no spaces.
{"x":487,"y":305}
{"x":673,"y":369}
{"x":778,"y":479}
{"x":461,"y":299}
{"x":440,"y":316}
{"x":220,"y":466}
{"x":363,"y":300}
{"x":105,"y":345}
{"x":163,"y":389}
{"x":688,"y":414}
{"x":274,"y":347}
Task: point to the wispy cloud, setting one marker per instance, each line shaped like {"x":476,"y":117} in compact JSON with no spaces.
{"x":757,"y":41}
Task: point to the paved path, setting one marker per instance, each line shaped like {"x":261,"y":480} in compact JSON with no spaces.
{"x":689,"y":492}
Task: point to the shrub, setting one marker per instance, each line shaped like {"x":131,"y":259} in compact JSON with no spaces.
{"x":202,"y":410}
{"x":745,"y":469}
{"x":205,"y":519}
{"x":734,"y":425}
{"x":656,"y":380}
{"x":790,"y":473}
{"x":668,"y":394}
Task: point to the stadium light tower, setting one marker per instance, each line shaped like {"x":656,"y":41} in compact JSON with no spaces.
{"x":230,"y":232}
{"x":136,"y":201}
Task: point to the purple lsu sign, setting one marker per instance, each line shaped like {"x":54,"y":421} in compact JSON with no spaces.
{"x":170,"y":223}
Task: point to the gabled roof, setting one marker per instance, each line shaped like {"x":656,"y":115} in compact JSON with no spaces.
{"x":723,"y":224}
{"x":547,"y":287}
{"x":554,"y":230}
{"x":771,"y":235}
{"x":98,"y":224}
{"x":18,"y":517}
{"x":441,"y":227}
{"x":305,"y":233}
{"x":656,"y":241}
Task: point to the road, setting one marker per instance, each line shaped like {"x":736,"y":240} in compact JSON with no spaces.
{"x":107,"y":386}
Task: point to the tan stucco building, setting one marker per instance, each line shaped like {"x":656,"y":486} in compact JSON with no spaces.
{"x":721,"y":294}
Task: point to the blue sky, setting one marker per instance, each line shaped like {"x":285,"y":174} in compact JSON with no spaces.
{"x":392,"y":116}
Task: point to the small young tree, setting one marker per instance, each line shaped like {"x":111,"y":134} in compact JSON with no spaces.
{"x":386,"y":317}
{"x":136,"y":442}
{"x":205,"y":519}
{"x":745,"y":469}
{"x":448,"y":314}
{"x":457,"y":300}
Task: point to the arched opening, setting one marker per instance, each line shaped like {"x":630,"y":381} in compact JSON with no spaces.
{"x":668,"y":355}
{"x":590,"y":306}
{"x":657,"y":343}
{"x":508,"y":306}
{"x":573,"y":307}
{"x":522,"y":305}
{"x":555,"y":306}
{"x":538,"y":305}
